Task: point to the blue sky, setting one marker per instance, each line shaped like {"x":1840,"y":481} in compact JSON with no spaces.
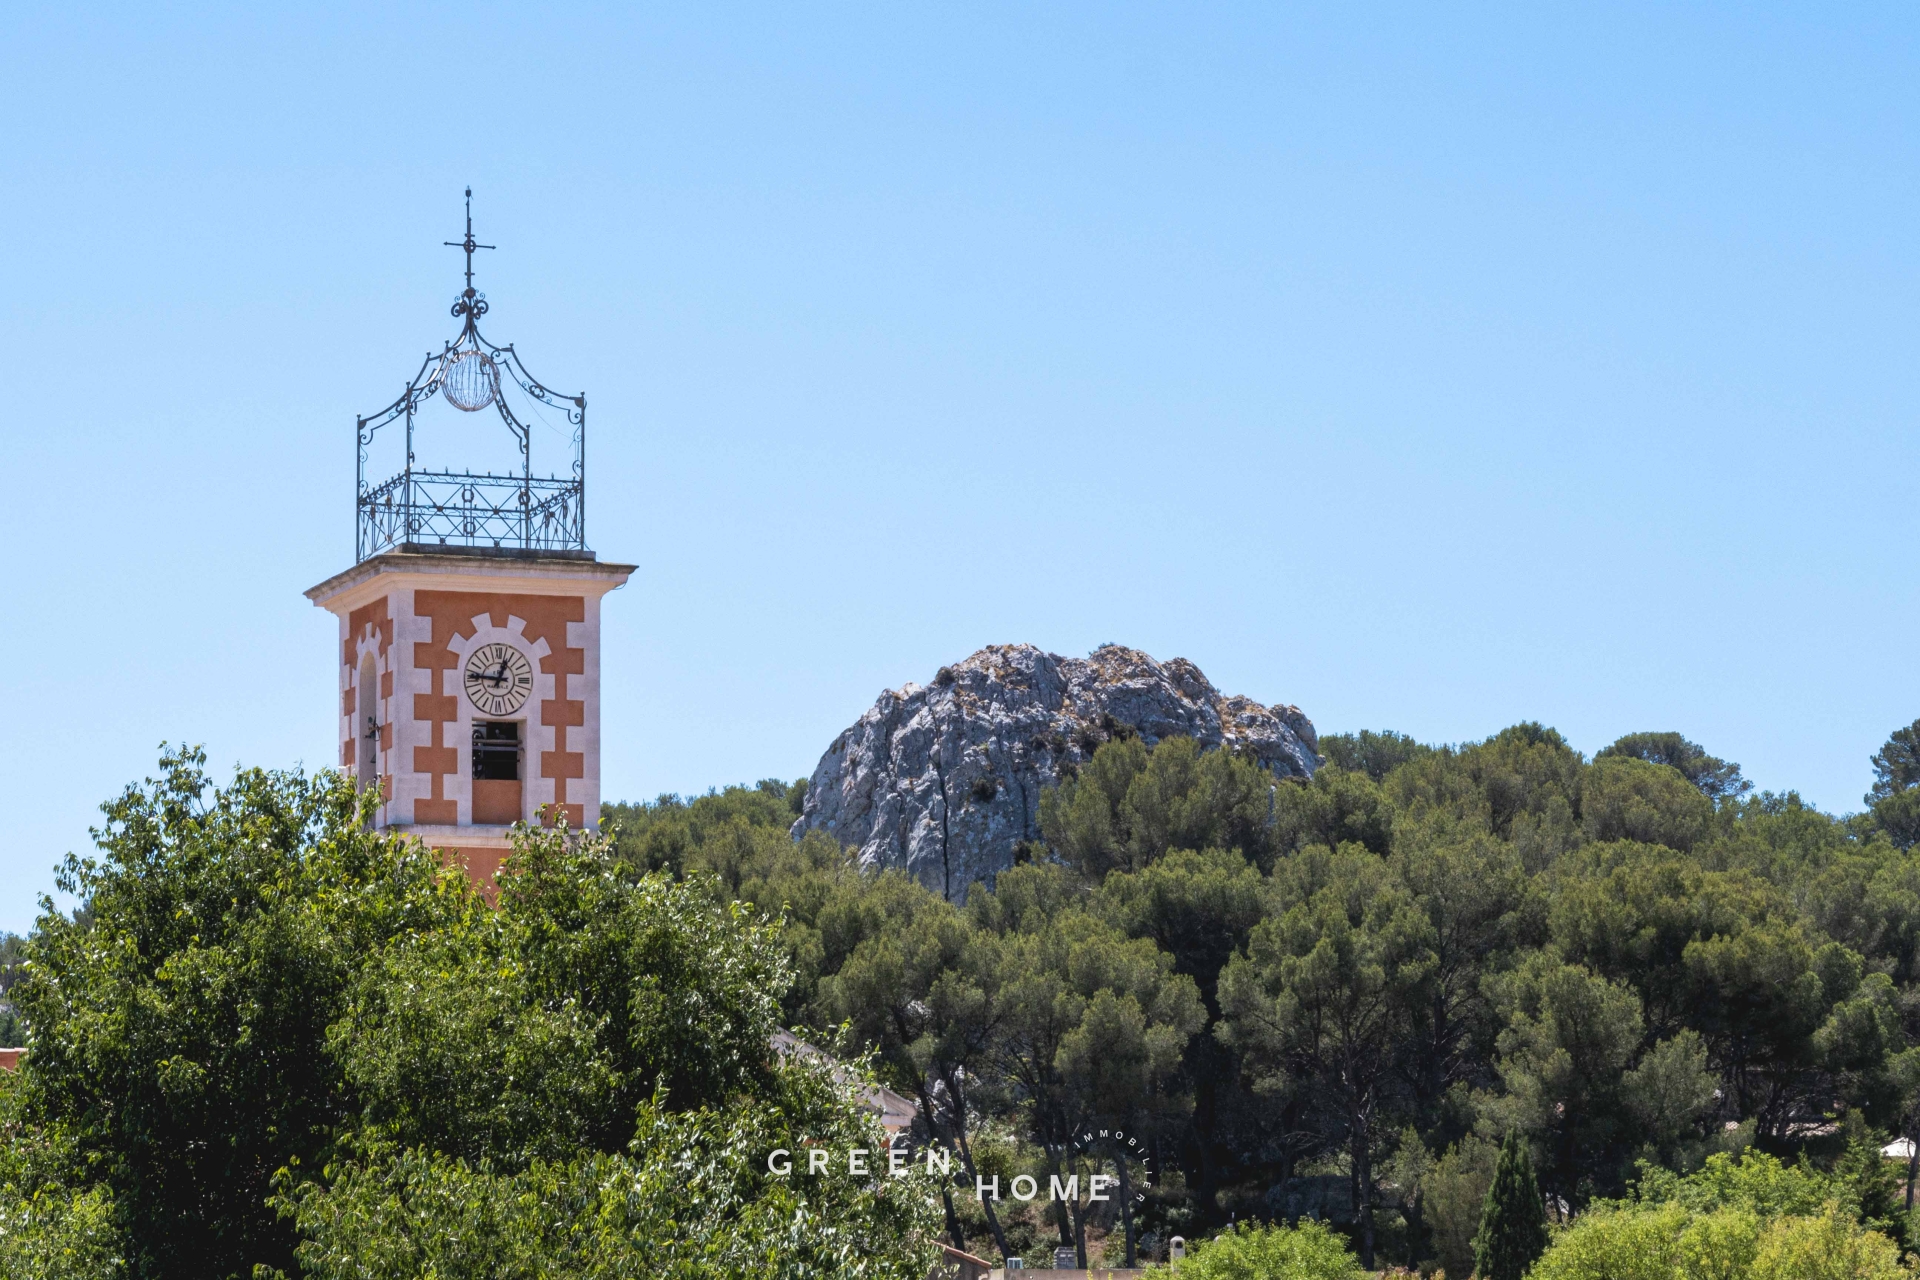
{"x":1431,"y":369}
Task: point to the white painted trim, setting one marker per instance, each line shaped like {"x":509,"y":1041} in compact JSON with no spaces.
{"x":371,"y":579}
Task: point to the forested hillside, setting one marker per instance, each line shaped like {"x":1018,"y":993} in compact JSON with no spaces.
{"x":1335,"y":997}
{"x":1416,"y":997}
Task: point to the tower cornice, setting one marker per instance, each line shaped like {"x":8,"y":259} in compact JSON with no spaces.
{"x":512,"y":572}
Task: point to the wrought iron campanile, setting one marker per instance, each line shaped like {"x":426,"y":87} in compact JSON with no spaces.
{"x":427,"y":510}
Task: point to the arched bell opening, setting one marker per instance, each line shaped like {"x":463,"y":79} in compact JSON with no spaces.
{"x":366,"y":697}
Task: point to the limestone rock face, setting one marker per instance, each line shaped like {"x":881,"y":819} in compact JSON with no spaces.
{"x":945,"y":779}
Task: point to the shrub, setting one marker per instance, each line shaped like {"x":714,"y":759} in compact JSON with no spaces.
{"x":1309,"y":1251}
{"x":1671,"y":1242}
{"x":1455,"y":1195}
{"x":1615,"y":1243}
{"x":1829,"y":1247}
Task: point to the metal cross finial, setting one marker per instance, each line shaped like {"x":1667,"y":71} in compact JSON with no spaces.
{"x":468,"y":244}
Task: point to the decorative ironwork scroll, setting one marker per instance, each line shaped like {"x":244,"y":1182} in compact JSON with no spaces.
{"x":423,"y":510}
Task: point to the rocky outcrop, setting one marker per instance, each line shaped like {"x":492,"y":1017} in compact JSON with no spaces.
{"x":945,"y":779}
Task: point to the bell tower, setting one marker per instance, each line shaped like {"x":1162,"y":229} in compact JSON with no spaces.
{"x":469,"y":657}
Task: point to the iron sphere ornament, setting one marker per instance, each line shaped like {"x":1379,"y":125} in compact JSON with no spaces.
{"x":471,"y":380}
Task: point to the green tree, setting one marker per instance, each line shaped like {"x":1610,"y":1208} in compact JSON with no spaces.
{"x":1474,"y":894}
{"x":1760,"y":998}
{"x":1325,"y":993}
{"x":737,"y":841}
{"x":913,"y":994}
{"x":1114,"y":1063}
{"x":1752,"y":1181}
{"x":1624,"y":798}
{"x":1671,"y":1092}
{"x":502,"y":1063}
{"x":1649,"y":1243}
{"x":1335,"y":808}
{"x":1630,"y":911}
{"x":1374,"y":754}
{"x":270,"y":1027}
{"x":1523,"y":784}
{"x":1723,"y":952}
{"x":1899,"y":816}
{"x":673,"y":833}
{"x":1084,"y":818}
{"x":1570,"y":1038}
{"x":691,"y":1198}
{"x":1199,"y":908}
{"x":1747,"y":1218}
{"x":1894,"y":800}
{"x":55,"y":1222}
{"x":1091,"y":1022}
{"x":1826,"y":1246}
{"x":1872,"y":1181}
{"x":540,"y":1028}
{"x":180,"y":1027}
{"x":1896,"y":765}
{"x":1717,"y":779}
{"x":1453,"y":1196}
{"x":1131,"y":804}
{"x":1903,"y":1076}
{"x":1310,"y":1251}
{"x":1513,"y":1227}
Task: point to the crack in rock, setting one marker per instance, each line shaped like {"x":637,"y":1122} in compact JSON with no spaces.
{"x":956,"y":744}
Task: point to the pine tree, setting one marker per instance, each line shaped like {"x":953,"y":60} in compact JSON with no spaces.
{"x":1513,"y":1226}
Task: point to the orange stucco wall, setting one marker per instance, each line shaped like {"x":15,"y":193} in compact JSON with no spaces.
{"x":451,"y":614}
{"x":481,"y":866}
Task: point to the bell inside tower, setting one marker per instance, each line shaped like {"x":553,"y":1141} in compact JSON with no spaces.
{"x":497,"y":792}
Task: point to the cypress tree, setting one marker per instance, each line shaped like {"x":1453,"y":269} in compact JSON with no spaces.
{"x":1513,"y":1226}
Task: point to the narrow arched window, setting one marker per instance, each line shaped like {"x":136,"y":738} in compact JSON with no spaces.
{"x":366,"y":702}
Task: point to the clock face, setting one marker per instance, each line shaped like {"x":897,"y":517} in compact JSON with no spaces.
{"x":498,"y":679}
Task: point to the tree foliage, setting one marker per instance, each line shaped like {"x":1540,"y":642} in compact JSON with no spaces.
{"x":1628,"y":959}
{"x":1374,"y":754}
{"x":1750,"y":1218}
{"x":272,"y":1037}
{"x":277,"y":1043}
{"x":1513,"y":1226}
{"x":1895,"y":799}
{"x":1308,"y":1251}
{"x":1717,"y":779}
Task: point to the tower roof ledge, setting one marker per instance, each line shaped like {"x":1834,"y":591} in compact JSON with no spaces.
{"x":510,"y":569}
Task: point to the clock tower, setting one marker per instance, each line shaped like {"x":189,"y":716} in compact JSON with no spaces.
{"x":469,"y":624}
